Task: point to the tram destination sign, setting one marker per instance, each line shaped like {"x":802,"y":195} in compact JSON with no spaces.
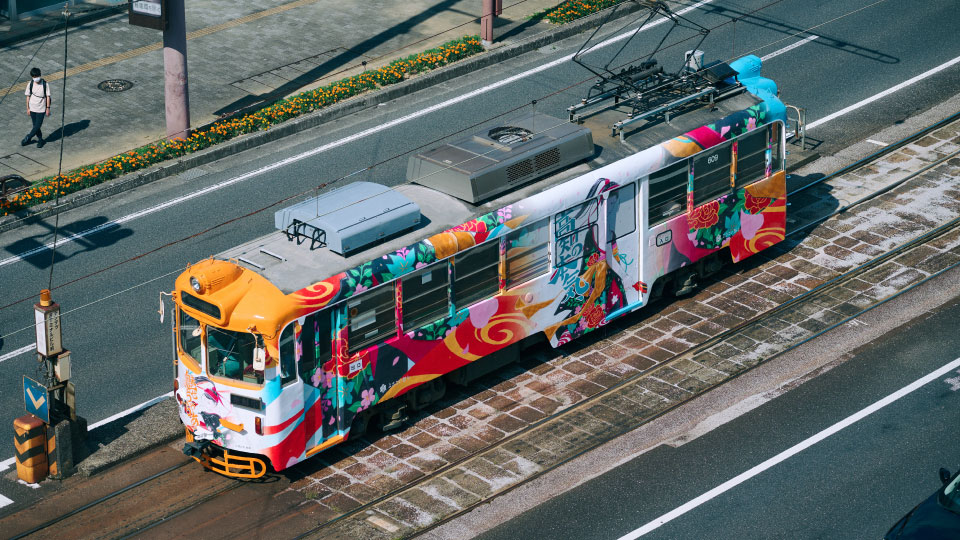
{"x":148,"y":13}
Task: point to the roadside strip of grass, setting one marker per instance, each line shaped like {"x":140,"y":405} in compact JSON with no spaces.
{"x":45,"y":190}
{"x":226,"y":129}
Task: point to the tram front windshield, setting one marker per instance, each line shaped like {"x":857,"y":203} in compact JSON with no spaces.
{"x":190,"y":340}
{"x":230,"y":354}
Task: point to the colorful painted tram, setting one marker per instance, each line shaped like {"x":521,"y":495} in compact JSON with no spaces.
{"x":284,"y":350}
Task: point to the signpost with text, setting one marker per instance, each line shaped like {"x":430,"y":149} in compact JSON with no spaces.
{"x":149,"y":13}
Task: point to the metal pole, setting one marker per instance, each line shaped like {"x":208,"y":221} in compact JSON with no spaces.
{"x":175,"y":90}
{"x":486,"y":21}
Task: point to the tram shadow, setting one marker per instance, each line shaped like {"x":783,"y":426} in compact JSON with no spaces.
{"x":74,"y":239}
{"x":116,"y":439}
{"x":455,"y":427}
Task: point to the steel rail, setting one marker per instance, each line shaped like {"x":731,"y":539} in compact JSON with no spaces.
{"x":890,"y":148}
{"x":809,"y":296}
{"x":207,"y":498}
{"x":710,"y":342}
{"x":877,"y":193}
{"x":806,"y":296}
{"x":99,"y":501}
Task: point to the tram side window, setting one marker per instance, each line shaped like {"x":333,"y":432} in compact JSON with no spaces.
{"x":528,"y":252}
{"x":621,"y":212}
{"x":776,"y":157}
{"x":711,"y":173}
{"x":288,"y":360}
{"x":752,"y":156}
{"x":476,"y":274}
{"x":191,"y":341}
{"x":230,"y":354}
{"x":577,"y":217}
{"x":425,"y":296}
{"x":372,"y":317}
{"x":668,"y":192}
{"x":574,"y":227}
{"x":315,"y":345}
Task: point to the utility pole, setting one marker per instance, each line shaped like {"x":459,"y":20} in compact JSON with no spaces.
{"x":490,"y":9}
{"x":175,"y":90}
{"x":46,"y":435}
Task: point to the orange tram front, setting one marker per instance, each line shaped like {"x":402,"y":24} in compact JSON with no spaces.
{"x":271,"y":370}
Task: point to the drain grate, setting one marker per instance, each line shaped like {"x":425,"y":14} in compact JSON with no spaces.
{"x":115,"y":85}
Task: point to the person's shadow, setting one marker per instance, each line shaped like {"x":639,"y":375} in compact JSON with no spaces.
{"x":67,"y":130}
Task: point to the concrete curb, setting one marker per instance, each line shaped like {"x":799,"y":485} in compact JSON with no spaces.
{"x":308,"y":121}
{"x":156,"y":425}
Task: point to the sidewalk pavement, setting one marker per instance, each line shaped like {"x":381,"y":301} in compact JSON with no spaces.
{"x":238,"y":54}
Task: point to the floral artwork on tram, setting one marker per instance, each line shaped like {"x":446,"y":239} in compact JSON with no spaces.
{"x":574,"y":298}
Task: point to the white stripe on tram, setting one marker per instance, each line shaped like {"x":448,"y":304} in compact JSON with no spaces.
{"x":790,"y":452}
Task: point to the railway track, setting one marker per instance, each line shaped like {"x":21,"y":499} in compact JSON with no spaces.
{"x":816,"y":298}
{"x":572,"y":426}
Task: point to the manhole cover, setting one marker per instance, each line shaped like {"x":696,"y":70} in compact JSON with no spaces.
{"x":115,"y":85}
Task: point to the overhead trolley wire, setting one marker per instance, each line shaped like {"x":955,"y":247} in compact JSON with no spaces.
{"x":335,"y":181}
{"x":358,"y":171}
{"x":63,"y":117}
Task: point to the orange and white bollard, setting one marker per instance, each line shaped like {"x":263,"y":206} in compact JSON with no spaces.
{"x":30,"y":442}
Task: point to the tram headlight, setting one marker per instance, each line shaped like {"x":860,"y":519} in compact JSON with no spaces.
{"x":195,"y":283}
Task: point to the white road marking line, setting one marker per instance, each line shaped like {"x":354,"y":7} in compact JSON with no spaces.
{"x":131,"y":410}
{"x":788,"y":48}
{"x":4,"y":501}
{"x":793,"y":450}
{"x":878,"y":143}
{"x":883,"y":94}
{"x":8,"y":462}
{"x":18,"y":352}
{"x":329,"y":146}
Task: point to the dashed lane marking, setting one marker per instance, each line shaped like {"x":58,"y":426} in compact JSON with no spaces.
{"x":788,"y":48}
{"x":329,"y":146}
{"x":18,"y":352}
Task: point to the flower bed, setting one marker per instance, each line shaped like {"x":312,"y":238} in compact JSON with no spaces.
{"x":223,"y":130}
{"x":574,"y":9}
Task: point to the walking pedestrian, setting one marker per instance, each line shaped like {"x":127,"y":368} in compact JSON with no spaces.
{"x":38,"y":105}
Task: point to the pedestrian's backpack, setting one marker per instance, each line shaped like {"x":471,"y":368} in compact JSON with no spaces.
{"x":44,"y":83}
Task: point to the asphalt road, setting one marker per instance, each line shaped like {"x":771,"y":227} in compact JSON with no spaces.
{"x":122,"y":351}
{"x":854,"y":484}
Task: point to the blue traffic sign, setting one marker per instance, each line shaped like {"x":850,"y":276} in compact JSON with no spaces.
{"x":36,"y":399}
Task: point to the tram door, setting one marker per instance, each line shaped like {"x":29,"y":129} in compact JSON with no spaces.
{"x":319,"y":375}
{"x":623,"y":249}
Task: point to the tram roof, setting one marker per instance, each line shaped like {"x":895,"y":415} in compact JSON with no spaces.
{"x":291,"y":266}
